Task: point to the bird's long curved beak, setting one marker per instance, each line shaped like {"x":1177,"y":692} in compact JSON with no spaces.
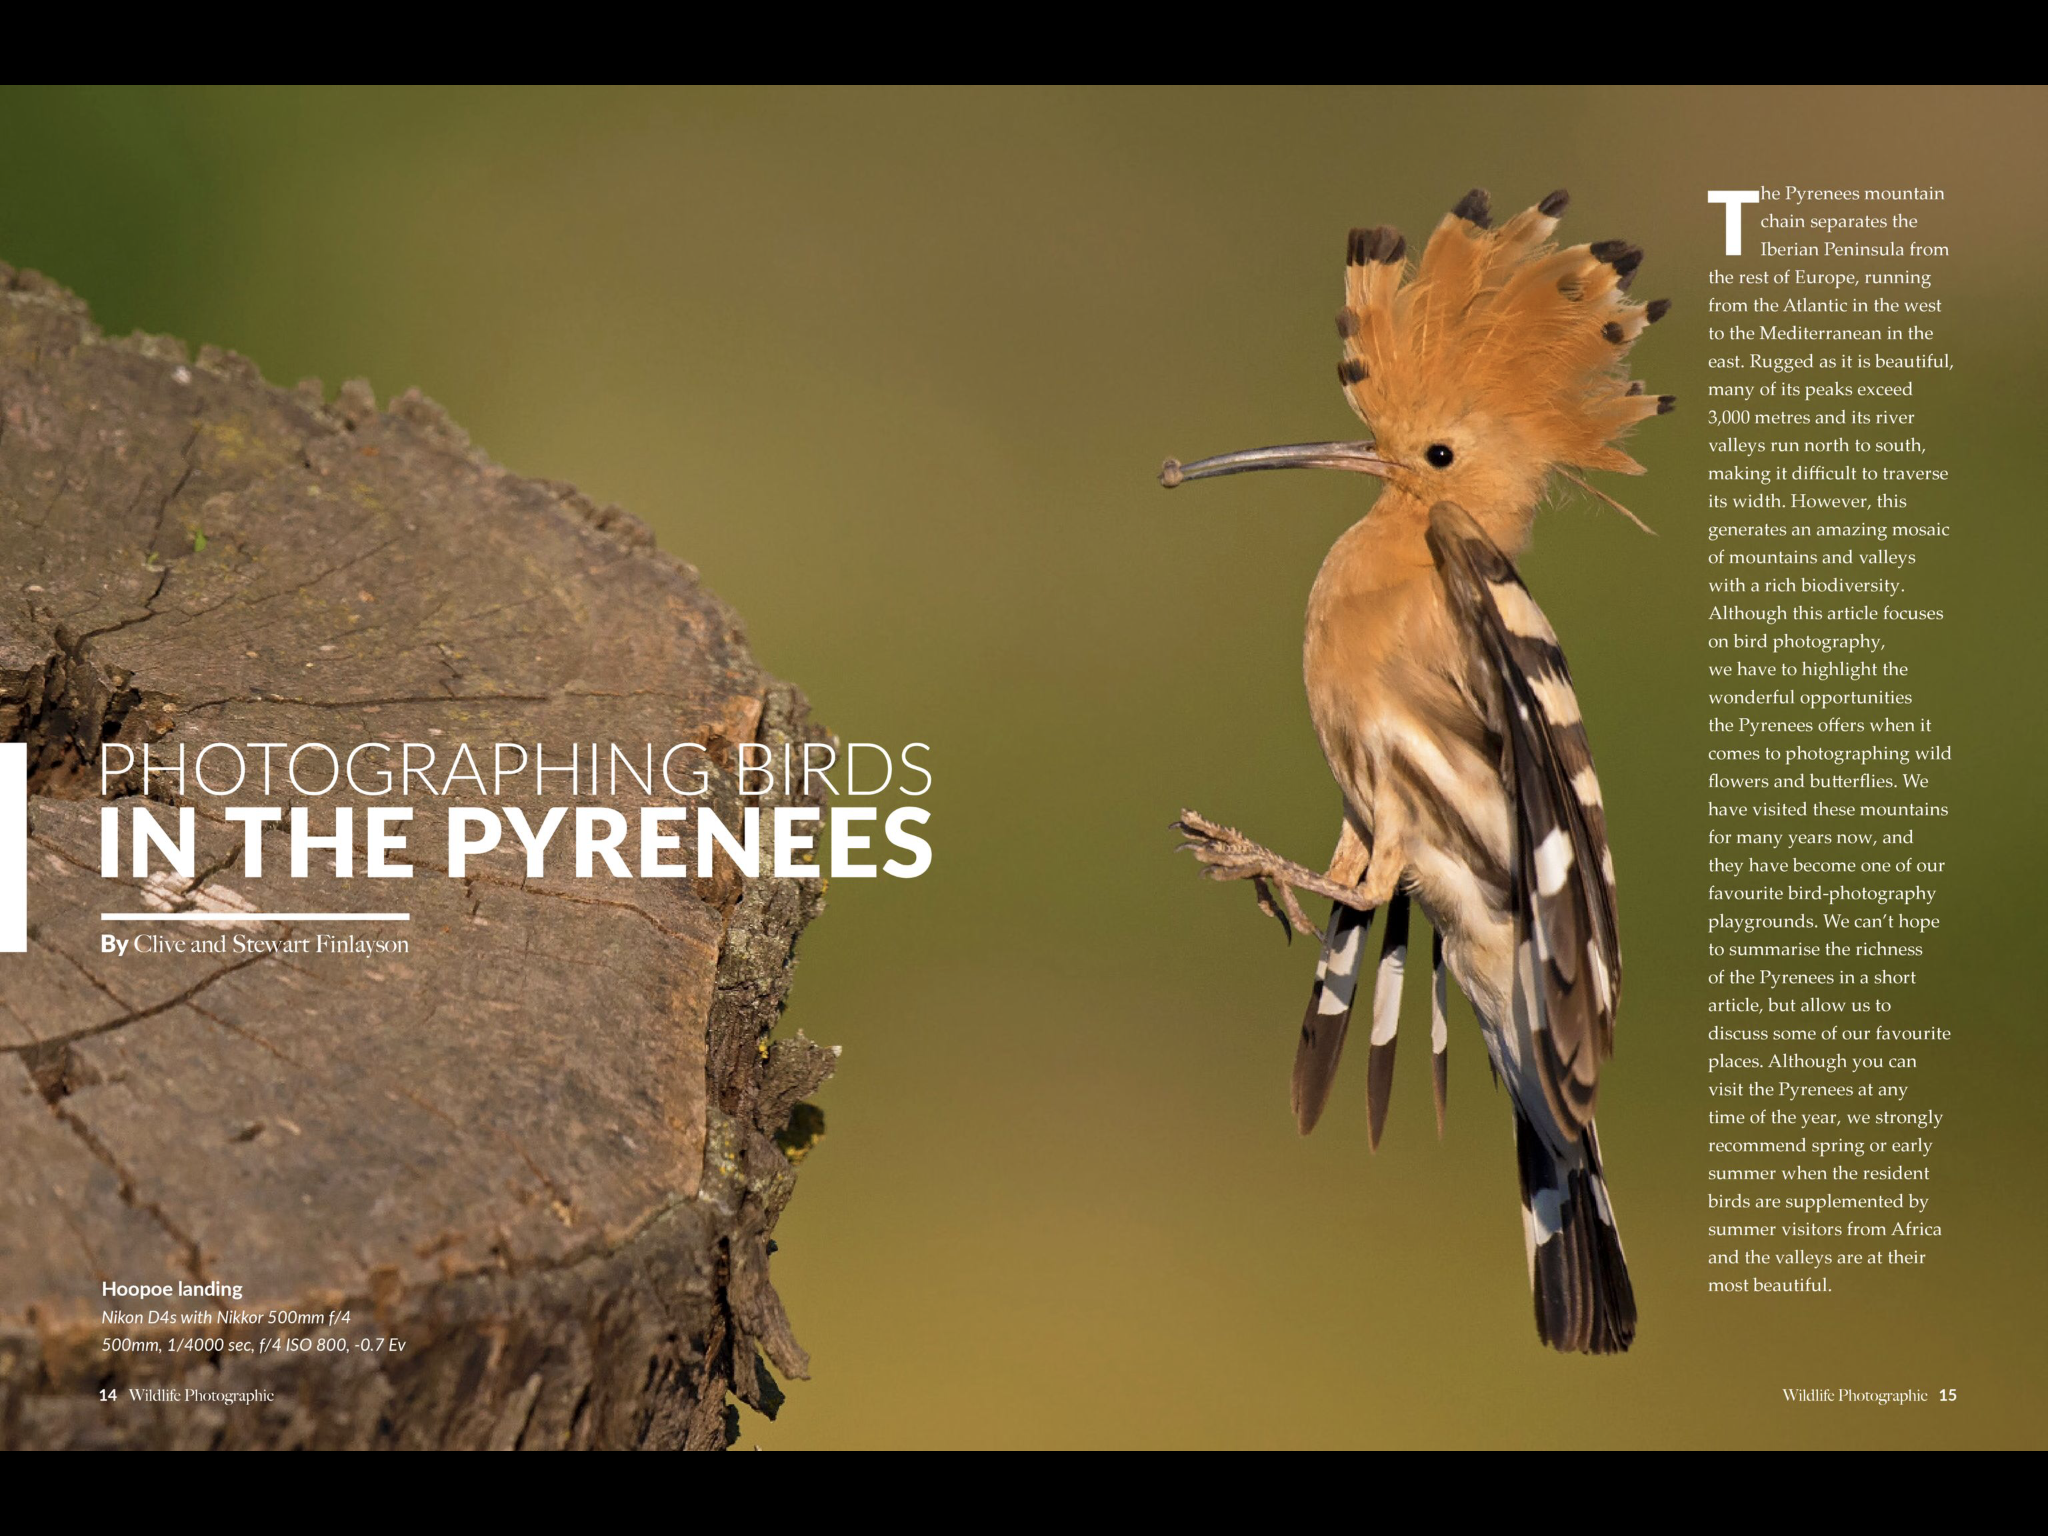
{"x":1360,"y":458}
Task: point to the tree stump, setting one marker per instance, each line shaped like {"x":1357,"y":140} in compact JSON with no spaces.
{"x":535,"y":1160}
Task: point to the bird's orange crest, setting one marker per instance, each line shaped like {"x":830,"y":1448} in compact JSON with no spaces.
{"x":1499,"y":325}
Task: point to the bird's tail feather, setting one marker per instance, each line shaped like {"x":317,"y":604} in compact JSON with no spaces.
{"x":1328,"y":1018}
{"x":1386,"y":1018}
{"x":1439,"y":1030}
{"x":1584,"y":1301}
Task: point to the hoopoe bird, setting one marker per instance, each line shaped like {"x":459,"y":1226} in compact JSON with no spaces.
{"x":1446,"y":712}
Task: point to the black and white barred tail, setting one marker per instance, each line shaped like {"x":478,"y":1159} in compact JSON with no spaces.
{"x":1584,"y":1301}
{"x":1386,"y":1019}
{"x":1328,"y":1019}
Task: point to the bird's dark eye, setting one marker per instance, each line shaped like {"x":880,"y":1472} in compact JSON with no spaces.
{"x":1439,"y":455}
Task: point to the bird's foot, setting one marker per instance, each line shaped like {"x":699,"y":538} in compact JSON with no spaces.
{"x":1227,"y":854}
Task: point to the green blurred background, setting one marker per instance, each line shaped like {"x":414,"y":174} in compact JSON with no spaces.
{"x":896,"y":371}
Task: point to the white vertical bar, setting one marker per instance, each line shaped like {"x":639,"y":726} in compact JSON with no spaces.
{"x":13,"y":848}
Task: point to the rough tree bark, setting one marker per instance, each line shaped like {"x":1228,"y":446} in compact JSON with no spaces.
{"x":544,"y":1150}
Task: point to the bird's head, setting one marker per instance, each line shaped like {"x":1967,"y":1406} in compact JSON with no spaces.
{"x":1499,"y":363}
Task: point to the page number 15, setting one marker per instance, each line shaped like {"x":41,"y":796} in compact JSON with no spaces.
{"x":1948,"y":1394}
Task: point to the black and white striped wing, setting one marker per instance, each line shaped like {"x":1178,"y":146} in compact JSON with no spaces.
{"x":1568,"y":949}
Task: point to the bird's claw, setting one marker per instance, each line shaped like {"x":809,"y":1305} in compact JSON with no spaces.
{"x":1227,"y":854}
{"x":1288,"y":919}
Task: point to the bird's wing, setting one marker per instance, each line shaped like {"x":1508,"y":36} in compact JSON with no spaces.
{"x":1568,"y":953}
